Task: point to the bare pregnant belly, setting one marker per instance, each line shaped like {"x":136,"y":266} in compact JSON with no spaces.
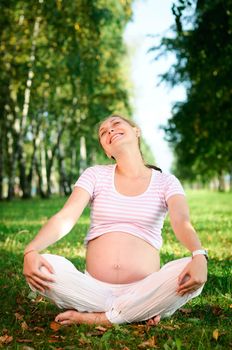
{"x":119,"y":257}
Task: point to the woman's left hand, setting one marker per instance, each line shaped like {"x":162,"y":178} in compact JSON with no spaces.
{"x":193,"y":276}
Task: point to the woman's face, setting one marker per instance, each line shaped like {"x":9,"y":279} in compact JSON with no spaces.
{"x":115,"y":132}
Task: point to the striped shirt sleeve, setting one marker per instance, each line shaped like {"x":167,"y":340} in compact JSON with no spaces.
{"x":173,"y":186}
{"x":87,"y":180}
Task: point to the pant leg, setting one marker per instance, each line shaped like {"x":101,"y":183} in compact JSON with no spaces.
{"x":73,"y":289}
{"x":154,"y":295}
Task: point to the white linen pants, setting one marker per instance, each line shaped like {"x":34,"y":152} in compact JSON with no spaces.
{"x":138,"y":301}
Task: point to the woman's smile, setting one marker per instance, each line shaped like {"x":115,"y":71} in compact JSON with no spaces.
{"x":115,"y":136}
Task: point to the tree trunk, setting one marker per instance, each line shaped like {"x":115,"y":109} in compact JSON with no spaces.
{"x":221,"y":182}
{"x":2,"y":139}
{"x":11,"y":163}
{"x":50,"y":156}
{"x":83,"y":158}
{"x":65,"y":187}
{"x":35,"y":144}
{"x":230,"y":188}
{"x":40,"y":191}
{"x":23,"y":123}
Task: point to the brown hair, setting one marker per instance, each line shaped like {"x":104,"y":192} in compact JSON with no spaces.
{"x":133,"y":125}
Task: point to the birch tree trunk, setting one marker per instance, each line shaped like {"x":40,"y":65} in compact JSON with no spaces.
{"x":24,"y":120}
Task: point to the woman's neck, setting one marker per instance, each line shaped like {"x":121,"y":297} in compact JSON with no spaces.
{"x":131,"y":166}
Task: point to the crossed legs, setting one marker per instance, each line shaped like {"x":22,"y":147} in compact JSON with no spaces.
{"x":94,"y":302}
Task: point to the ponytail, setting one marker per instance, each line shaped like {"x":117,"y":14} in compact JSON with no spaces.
{"x":153,"y":167}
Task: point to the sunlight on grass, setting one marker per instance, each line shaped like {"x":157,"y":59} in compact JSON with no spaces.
{"x":26,"y":319}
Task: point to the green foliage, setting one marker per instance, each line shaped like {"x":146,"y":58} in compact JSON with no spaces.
{"x":199,"y":129}
{"x":62,"y":70}
{"x":203,"y":324}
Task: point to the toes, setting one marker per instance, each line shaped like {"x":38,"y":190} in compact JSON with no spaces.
{"x":154,"y":321}
{"x":63,"y":316}
{"x":150,"y":322}
{"x":66,"y":322}
{"x":68,"y":317}
{"x":157,"y":319}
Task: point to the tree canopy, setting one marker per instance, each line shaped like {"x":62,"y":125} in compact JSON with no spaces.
{"x":199,"y":129}
{"x":61,"y":71}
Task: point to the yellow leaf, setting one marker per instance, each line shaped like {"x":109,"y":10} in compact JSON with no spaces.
{"x":215,"y":334}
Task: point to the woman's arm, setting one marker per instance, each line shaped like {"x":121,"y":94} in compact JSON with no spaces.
{"x":195,"y":273}
{"x":56,"y":227}
{"x":62,"y":222}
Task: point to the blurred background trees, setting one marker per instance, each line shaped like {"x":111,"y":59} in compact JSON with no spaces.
{"x":199,"y":129}
{"x":63,"y":67}
{"x":61,"y":72}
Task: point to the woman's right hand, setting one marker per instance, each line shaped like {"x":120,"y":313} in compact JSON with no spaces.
{"x":33,"y":262}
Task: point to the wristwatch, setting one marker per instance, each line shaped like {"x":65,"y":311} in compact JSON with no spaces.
{"x":200,"y":252}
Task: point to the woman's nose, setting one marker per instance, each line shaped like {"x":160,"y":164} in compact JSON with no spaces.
{"x":111,"y":130}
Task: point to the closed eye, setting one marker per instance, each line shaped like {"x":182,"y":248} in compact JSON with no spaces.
{"x":113,"y":124}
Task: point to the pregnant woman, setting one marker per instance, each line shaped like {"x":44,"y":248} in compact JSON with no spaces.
{"x":123,"y":281}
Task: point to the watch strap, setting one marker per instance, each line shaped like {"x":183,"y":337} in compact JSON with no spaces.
{"x":200,"y":252}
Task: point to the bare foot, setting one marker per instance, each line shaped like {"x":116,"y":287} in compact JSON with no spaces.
{"x":75,"y":317}
{"x":154,"y":321}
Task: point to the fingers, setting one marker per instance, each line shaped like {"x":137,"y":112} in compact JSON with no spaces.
{"x":183,"y":277}
{"x":39,"y":280}
{"x":43,"y":276}
{"x":188,"y":287}
{"x":35,"y":285}
{"x":48,"y":265}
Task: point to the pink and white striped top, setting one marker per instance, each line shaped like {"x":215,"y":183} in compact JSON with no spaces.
{"x":142,"y":215}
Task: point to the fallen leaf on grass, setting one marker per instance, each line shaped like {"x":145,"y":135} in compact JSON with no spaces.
{"x":32,"y":295}
{"x":216,"y":310}
{"x":24,"y":340}
{"x":38,"y":329}
{"x":84,"y":341}
{"x":53,"y":340}
{"x":55,"y":326}
{"x":215,"y":334}
{"x":185,"y":310}
{"x":151,"y":343}
{"x":126,"y":348}
{"x":101,"y":329}
{"x":25,"y":347}
{"x":54,"y":336}
{"x":24,"y":326}
{"x":170,"y":328}
{"x":6,"y":339}
{"x":18,"y":316}
{"x":39,"y":299}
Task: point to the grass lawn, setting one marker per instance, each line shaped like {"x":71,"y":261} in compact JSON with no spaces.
{"x":203,"y":323}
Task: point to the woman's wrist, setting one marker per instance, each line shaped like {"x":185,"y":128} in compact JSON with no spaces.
{"x":200,"y":253}
{"x":29,"y":251}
